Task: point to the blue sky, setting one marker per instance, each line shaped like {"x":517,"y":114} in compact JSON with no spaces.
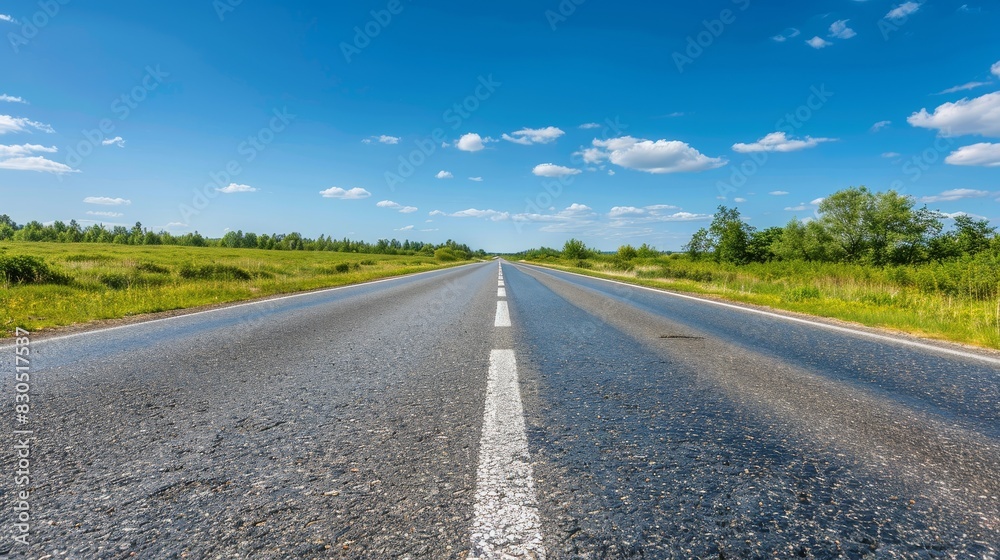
{"x":504,"y":126}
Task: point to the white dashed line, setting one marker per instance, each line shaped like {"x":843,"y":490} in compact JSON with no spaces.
{"x":506,"y":522}
{"x":503,"y":315}
{"x":501,"y":292}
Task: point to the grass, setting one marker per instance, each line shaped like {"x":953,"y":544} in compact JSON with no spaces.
{"x":45,"y":285}
{"x":930,"y":301}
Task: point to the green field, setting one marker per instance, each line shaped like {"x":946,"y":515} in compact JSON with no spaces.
{"x":91,"y":281}
{"x":955,"y":301}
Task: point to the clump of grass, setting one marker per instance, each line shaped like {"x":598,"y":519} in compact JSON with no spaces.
{"x":152,"y":267}
{"x":367,"y":262}
{"x":88,"y":257}
{"x":25,"y":269}
{"x":213,"y":272}
{"x":801,"y":293}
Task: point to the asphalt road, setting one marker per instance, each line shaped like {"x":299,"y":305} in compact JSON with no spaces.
{"x":468,"y":413}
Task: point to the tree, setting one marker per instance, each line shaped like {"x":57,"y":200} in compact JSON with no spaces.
{"x":646,"y":252}
{"x":699,"y":245}
{"x":759,"y":245}
{"x":627,"y":253}
{"x":843,"y":217}
{"x":575,"y":249}
{"x":730,"y":236}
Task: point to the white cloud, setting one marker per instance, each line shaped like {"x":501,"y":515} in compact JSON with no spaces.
{"x":779,"y":142}
{"x":818,"y":42}
{"x":16,"y":124}
{"x":350,"y":194}
{"x":11,"y":98}
{"x":661,"y":156}
{"x":995,"y":69}
{"x":552,"y":170}
{"x":105,"y":214}
{"x":787,"y":34}
{"x":817,"y":201}
{"x":476,"y":179}
{"x":587,"y":126}
{"x":117,"y":141}
{"x":528,"y":136}
{"x":964,"y":87}
{"x":778,"y":193}
{"x":953,"y":215}
{"x":233,"y":188}
{"x":889,"y":155}
{"x":799,"y":208}
{"x":405,"y":228}
{"x":880,"y":125}
{"x":980,"y":115}
{"x":396,"y":206}
{"x":903,"y":11}
{"x":444,"y":175}
{"x":7,"y":18}
{"x":954,"y":194}
{"x":738,"y":199}
{"x":471,"y":142}
{"x":384,"y":139}
{"x":22,"y":158}
{"x":573,"y":213}
{"x":491,"y":215}
{"x":611,"y":172}
{"x":840,"y":30}
{"x":107,"y":201}
{"x":631,"y":215}
{"x":436,"y":213}
{"x":983,"y":154}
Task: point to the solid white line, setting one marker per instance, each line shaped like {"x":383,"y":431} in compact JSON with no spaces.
{"x":503,"y":315}
{"x":501,"y":292}
{"x":837,"y":328}
{"x":234,"y":306}
{"x":506,"y":522}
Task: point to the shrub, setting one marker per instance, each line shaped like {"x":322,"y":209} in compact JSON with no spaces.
{"x":115,"y":281}
{"x":152,"y":267}
{"x":445,"y":254}
{"x":342,"y":267}
{"x":22,"y":269}
{"x":368,"y":262}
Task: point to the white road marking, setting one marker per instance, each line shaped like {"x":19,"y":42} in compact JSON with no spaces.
{"x":506,"y":522}
{"x":501,"y":292}
{"x":827,"y":326}
{"x":234,"y":306}
{"x":503,"y":315}
{"x":500,"y":283}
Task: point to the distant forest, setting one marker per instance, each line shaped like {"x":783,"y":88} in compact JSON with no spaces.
{"x":72,"y":232}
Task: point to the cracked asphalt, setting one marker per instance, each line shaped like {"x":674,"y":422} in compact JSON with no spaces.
{"x":347,"y":423}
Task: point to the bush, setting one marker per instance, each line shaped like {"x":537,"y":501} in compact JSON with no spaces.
{"x":445,"y":254}
{"x":214,"y":272}
{"x":342,"y":267}
{"x":151,"y":267}
{"x":115,"y":281}
{"x":368,"y":262}
{"x":22,"y":269}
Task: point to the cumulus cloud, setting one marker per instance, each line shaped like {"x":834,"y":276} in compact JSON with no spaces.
{"x":233,"y":188}
{"x":903,"y":11}
{"x":383,"y":139}
{"x":105,"y":214}
{"x":528,"y":136}
{"x":839,"y":29}
{"x":472,"y":142}
{"x":661,"y":156}
{"x":116,"y":141}
{"x":632,"y":215}
{"x":954,"y":194}
{"x":573,"y":212}
{"x":590,"y":125}
{"x":476,"y":179}
{"x":396,"y":206}
{"x":738,"y":199}
{"x":492,"y":215}
{"x":983,"y":154}
{"x":552,"y":170}
{"x":23,"y":157}
{"x":980,"y":115}
{"x":107,"y":201}
{"x":11,"y":98}
{"x":349,"y":194}
{"x":818,"y":42}
{"x":995,"y":69}
{"x":880,"y":125}
{"x":18,"y":124}
{"x":779,"y":142}
{"x":444,"y":175}
{"x":7,"y":18}
{"x":405,"y":228}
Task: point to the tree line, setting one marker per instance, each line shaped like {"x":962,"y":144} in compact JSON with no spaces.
{"x":73,"y":232}
{"x":853,"y":225}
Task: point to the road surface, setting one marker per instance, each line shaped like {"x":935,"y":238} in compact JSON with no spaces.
{"x":496,"y":409}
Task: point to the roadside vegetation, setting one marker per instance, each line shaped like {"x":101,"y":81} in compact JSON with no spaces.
{"x":55,"y":275}
{"x":870,"y":258}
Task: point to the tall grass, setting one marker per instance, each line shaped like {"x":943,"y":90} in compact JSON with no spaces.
{"x":46,"y":285}
{"x":956,"y":300}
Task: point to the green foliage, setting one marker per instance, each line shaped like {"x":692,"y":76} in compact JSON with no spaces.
{"x":343,"y":267}
{"x":627,"y":253}
{"x":213,"y":272}
{"x":574,"y":249}
{"x":445,"y":254}
{"x":24,"y":269}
